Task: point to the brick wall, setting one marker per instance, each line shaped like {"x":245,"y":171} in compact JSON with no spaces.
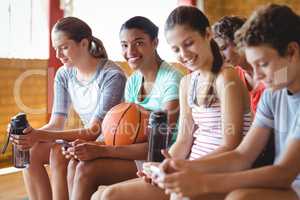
{"x":31,"y":93}
{"x":215,"y":9}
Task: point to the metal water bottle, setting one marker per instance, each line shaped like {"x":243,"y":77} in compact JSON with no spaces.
{"x":158,"y":136}
{"x":21,"y":159}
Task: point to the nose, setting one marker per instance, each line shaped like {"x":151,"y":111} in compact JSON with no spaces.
{"x":184,"y":54}
{"x":58,"y":53}
{"x":258,"y":73}
{"x":131,"y":49}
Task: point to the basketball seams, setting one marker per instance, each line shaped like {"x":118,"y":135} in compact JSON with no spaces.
{"x":123,"y":114}
{"x":139,"y":126}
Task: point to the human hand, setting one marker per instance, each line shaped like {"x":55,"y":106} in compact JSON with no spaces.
{"x":87,"y":150}
{"x":184,"y":179}
{"x":68,"y":150}
{"x":26,"y":141}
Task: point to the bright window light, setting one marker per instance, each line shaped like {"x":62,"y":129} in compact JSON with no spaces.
{"x":106,"y":17}
{"x":24,"y":32}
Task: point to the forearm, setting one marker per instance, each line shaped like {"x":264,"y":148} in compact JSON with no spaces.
{"x":219,"y":150}
{"x":219,"y":163}
{"x":264,"y":177}
{"x":69,"y":135}
{"x":179,"y":150}
{"x":130,"y":152}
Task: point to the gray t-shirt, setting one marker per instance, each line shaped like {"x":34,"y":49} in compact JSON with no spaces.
{"x":91,"y":100}
{"x":281,"y":111}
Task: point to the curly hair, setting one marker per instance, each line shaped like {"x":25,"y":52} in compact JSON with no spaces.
{"x":227,"y":26}
{"x":274,"y":25}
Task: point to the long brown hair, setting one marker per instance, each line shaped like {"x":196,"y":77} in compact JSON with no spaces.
{"x":76,"y":30}
{"x":193,"y":18}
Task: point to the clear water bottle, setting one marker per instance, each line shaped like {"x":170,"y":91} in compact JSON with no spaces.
{"x":21,"y":159}
{"x":158,"y":135}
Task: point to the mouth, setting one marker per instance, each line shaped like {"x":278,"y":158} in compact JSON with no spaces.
{"x":190,"y":62}
{"x":64,"y":60}
{"x":268,"y":83}
{"x":134,"y":59}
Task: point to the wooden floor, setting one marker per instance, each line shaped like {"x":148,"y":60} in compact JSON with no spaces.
{"x":12,"y":187}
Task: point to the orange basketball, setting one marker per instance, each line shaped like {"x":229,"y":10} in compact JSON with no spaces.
{"x":124,"y":124}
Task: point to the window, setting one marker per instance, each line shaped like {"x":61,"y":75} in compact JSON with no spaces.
{"x":24,"y":29}
{"x":106,"y":18}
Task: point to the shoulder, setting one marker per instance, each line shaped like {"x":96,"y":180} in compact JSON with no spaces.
{"x":112,"y":70}
{"x":64,"y":73}
{"x":185,"y":82}
{"x":227,"y":75}
{"x":169,"y":71}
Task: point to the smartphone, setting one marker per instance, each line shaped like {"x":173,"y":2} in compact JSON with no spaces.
{"x":63,"y":143}
{"x":154,"y":171}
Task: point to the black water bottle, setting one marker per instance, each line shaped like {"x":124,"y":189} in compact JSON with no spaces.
{"x":21,"y":159}
{"x":158,"y":135}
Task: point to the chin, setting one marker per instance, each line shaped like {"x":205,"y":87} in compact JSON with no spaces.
{"x":277,"y":87}
{"x":68,"y":65}
{"x":133,"y":66}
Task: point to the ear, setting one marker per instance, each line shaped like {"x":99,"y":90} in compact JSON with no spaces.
{"x":155,"y":42}
{"x":208,"y":33}
{"x":84,"y":42}
{"x":293,"y":50}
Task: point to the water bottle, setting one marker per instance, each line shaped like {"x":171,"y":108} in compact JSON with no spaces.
{"x":158,"y":135}
{"x":21,"y":159}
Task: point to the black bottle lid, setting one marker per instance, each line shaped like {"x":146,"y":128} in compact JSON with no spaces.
{"x":20,"y":120}
{"x":157,"y":117}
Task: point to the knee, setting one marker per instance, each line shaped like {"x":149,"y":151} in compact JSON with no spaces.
{"x":57,"y":159}
{"x":98,"y":194}
{"x":84,"y":171}
{"x":241,"y":194}
{"x":109,"y":193}
{"x":39,"y":155}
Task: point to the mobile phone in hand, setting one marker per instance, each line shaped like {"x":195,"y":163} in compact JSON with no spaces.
{"x":154,"y":171}
{"x":63,"y":143}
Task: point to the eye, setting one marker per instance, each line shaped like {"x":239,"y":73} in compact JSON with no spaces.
{"x":64,"y":47}
{"x":188,"y":43}
{"x":140,"y":43}
{"x":175,"y":49}
{"x":264,"y":64}
{"x":124,"y":46}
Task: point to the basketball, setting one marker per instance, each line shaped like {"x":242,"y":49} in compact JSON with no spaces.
{"x":125,"y":124}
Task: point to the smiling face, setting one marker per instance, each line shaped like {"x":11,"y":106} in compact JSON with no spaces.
{"x":68,"y":51}
{"x":190,"y":47}
{"x":137,"y":48}
{"x":274,"y":70}
{"x":229,"y":52}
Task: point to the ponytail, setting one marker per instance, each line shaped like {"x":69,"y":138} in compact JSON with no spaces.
{"x":211,"y":96}
{"x":97,"y":49}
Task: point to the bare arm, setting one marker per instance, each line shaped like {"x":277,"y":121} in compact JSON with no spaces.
{"x":181,"y":148}
{"x":279,"y":175}
{"x":53,"y":130}
{"x":240,"y":158}
{"x":139,"y":151}
{"x":234,"y":104}
{"x":222,"y":172}
{"x":90,"y":133}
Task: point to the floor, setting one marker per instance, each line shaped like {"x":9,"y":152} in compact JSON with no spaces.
{"x":12,"y":187}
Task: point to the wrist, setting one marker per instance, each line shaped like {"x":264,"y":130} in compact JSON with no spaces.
{"x":102,"y":151}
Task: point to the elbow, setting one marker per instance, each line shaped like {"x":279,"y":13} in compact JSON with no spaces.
{"x":94,"y":131}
